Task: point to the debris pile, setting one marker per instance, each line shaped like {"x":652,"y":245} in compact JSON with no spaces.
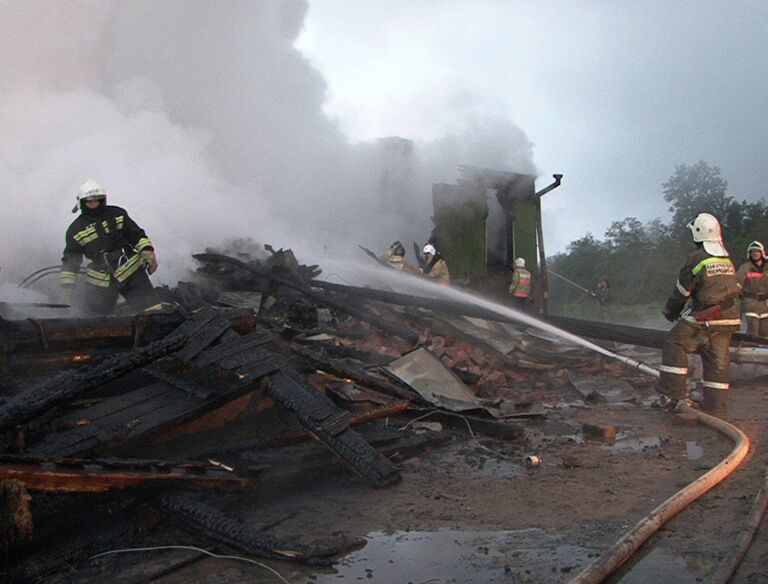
{"x":233,"y":392}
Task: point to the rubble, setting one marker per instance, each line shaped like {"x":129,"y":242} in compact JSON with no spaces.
{"x":263,"y":376}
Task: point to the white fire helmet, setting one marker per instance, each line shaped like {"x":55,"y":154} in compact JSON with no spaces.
{"x":755,"y":245}
{"x":520,"y":263}
{"x":90,"y":189}
{"x":430,"y":249}
{"x":705,"y":229}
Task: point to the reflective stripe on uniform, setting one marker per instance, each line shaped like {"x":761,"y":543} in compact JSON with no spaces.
{"x":127,"y":269}
{"x":758,"y":315}
{"x":90,"y":233}
{"x":715,"y":384}
{"x":682,"y":290}
{"x":97,"y":277}
{"x":755,"y":275}
{"x":674,"y":370}
{"x":713,"y":261}
{"x":144,"y":243}
{"x":87,"y":235}
{"x":158,"y":306}
{"x":68,"y":277}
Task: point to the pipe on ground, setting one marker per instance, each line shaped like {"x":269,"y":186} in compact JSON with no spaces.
{"x":623,"y":549}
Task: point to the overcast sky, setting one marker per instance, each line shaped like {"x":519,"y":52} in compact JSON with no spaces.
{"x":613,"y":94}
{"x":215,"y":120}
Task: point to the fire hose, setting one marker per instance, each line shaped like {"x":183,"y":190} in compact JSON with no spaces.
{"x":628,"y":544}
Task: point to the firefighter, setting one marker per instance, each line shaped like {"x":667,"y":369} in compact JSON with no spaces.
{"x":754,"y":290}
{"x":520,"y":289}
{"x":120,"y":253}
{"x":435,"y":267}
{"x":602,"y":295}
{"x":394,"y":257}
{"x":707,"y":288}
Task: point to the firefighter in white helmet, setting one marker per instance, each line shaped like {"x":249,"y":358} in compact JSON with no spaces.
{"x":704,"y":304}
{"x":753,"y":279}
{"x":520,"y":289}
{"x":120,"y":253}
{"x":435,"y":267}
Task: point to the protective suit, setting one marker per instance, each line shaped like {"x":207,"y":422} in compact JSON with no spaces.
{"x":520,"y":289}
{"x":704,"y":303}
{"x":753,"y":279}
{"x":435,"y":267}
{"x":394,"y":257}
{"x":118,"y":249}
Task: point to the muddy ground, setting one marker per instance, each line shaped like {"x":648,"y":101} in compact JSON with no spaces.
{"x":470,"y":510}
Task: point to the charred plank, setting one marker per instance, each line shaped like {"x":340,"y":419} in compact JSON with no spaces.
{"x":92,"y":476}
{"x":380,"y":323}
{"x":214,"y":523}
{"x":320,"y":360}
{"x":320,"y":416}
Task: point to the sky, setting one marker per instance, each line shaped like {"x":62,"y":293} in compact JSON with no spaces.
{"x":613,"y":94}
{"x":322,"y":124}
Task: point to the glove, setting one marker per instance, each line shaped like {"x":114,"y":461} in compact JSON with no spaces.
{"x":149,"y":259}
{"x":670,"y":314}
{"x":67,"y":291}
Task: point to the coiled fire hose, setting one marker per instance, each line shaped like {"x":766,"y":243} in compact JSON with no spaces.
{"x":623,"y":549}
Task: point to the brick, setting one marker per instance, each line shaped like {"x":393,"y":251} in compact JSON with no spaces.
{"x":599,"y":433}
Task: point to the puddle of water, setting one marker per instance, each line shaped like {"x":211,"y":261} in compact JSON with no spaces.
{"x":694,"y":451}
{"x":443,"y":557}
{"x":660,"y":565}
{"x":635,"y":444}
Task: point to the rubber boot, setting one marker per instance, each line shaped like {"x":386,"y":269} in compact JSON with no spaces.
{"x":715,"y":400}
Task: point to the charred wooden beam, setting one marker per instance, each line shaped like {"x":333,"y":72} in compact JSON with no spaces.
{"x":368,"y":357}
{"x":217,"y":376}
{"x":24,"y":407}
{"x":214,"y":523}
{"x":303,"y":435}
{"x":589,"y":328}
{"x":26,"y":363}
{"x":320,"y":360}
{"x":378,"y":322}
{"x":93,"y":476}
{"x":330,"y":425}
{"x":82,"y":334}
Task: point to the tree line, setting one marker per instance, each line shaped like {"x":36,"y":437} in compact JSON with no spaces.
{"x":641,"y":260}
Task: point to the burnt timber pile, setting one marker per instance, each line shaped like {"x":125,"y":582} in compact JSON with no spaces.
{"x":117,"y":431}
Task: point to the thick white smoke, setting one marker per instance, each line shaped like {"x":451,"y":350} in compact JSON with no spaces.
{"x":205,"y":122}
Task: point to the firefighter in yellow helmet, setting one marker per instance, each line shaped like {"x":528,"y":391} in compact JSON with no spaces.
{"x":120,"y":253}
{"x":520,"y":289}
{"x":394,"y":257}
{"x":435,"y":267}
{"x":704,"y":304}
{"x":753,"y":279}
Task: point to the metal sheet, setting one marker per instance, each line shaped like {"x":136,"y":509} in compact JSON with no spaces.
{"x":427,"y":375}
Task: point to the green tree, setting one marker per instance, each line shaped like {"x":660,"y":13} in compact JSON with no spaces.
{"x":696,"y":189}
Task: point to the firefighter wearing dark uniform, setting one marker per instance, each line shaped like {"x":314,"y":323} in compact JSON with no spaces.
{"x":707,"y":288}
{"x":118,"y":249}
{"x":753,"y":279}
{"x":520,"y":289}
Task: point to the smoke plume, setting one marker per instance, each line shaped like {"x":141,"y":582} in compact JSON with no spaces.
{"x":205,"y":122}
